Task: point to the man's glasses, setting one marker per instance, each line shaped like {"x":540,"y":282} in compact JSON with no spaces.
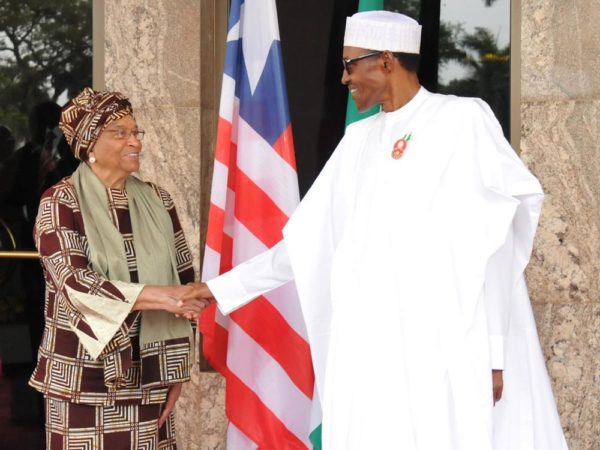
{"x":347,"y":63}
{"x":122,"y":133}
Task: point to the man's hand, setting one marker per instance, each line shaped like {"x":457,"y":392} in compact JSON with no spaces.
{"x":196,"y":292}
{"x":199,"y":290}
{"x":497,"y":384}
{"x":172,"y":396}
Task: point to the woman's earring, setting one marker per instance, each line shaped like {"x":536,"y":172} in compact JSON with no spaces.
{"x":92,"y":158}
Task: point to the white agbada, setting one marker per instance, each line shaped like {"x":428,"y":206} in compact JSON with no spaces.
{"x":410,"y":276}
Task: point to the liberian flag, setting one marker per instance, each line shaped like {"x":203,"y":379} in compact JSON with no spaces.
{"x":261,"y":349}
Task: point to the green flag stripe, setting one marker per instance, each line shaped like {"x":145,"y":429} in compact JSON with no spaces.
{"x":315,"y":438}
{"x":352,"y":114}
{"x":370,"y":5}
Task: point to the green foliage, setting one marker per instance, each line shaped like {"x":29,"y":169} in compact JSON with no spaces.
{"x":45,"y":51}
{"x":488,"y":66}
{"x":449,"y":33}
{"x":488,"y":73}
{"x":411,"y":8}
{"x":449,"y":43}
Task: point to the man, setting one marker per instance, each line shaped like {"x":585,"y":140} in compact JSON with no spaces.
{"x":408,"y":255}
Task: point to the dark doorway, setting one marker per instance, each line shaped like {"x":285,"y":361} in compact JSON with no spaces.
{"x":45,"y":58}
{"x":465,"y":51}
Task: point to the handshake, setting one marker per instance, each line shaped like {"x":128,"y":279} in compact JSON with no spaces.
{"x":182,"y":300}
{"x":194,"y":297}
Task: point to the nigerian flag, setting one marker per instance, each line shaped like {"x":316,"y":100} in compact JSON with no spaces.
{"x":352,"y":114}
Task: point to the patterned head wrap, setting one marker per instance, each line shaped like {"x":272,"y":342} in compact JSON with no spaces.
{"x":85,"y":116}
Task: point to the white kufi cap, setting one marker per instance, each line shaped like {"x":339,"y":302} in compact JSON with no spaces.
{"x":383,"y":30}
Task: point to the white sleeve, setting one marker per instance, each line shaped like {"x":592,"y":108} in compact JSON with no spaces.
{"x":497,"y":294}
{"x":263,"y":273}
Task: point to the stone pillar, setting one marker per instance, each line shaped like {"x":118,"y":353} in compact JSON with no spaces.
{"x":560,"y":129}
{"x":166,"y":56}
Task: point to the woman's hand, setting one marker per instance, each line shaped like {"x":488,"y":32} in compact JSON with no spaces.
{"x":172,"y":396}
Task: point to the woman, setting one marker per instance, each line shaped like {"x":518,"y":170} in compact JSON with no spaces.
{"x":115,"y":348}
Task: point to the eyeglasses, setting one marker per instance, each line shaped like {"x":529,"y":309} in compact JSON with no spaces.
{"x":347,"y":63}
{"x":122,"y":133}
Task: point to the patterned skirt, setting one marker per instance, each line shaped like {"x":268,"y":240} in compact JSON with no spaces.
{"x":121,"y":427}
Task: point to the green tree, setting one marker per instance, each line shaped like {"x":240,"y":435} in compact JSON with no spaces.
{"x":411,"y":8}
{"x":449,"y":34}
{"x":45,"y":51}
{"x":488,"y":67}
{"x":488,"y":73}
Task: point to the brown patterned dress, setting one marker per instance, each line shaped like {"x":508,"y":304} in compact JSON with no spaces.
{"x":112,"y":402}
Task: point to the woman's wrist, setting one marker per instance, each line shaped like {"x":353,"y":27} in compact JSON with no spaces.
{"x":180,"y":300}
{"x":153,"y":297}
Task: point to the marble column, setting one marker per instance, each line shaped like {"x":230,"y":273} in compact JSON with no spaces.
{"x":560,"y":125}
{"x":163,"y":55}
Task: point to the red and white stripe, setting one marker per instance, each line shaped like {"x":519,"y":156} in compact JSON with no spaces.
{"x":262,"y":348}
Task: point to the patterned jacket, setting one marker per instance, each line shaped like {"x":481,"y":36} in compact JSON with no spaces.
{"x":65,"y":368}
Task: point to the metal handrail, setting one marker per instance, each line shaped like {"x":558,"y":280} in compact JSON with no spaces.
{"x":10,"y":233}
{"x":15,"y":254}
{"x":19,"y":254}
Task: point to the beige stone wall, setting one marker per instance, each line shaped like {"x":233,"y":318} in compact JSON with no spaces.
{"x":152,"y":53}
{"x":560,"y":113}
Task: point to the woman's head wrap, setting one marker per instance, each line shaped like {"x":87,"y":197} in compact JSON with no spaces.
{"x":85,"y":116}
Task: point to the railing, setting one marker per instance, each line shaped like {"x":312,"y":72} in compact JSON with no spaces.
{"x":19,"y":254}
{"x":15,"y":254}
